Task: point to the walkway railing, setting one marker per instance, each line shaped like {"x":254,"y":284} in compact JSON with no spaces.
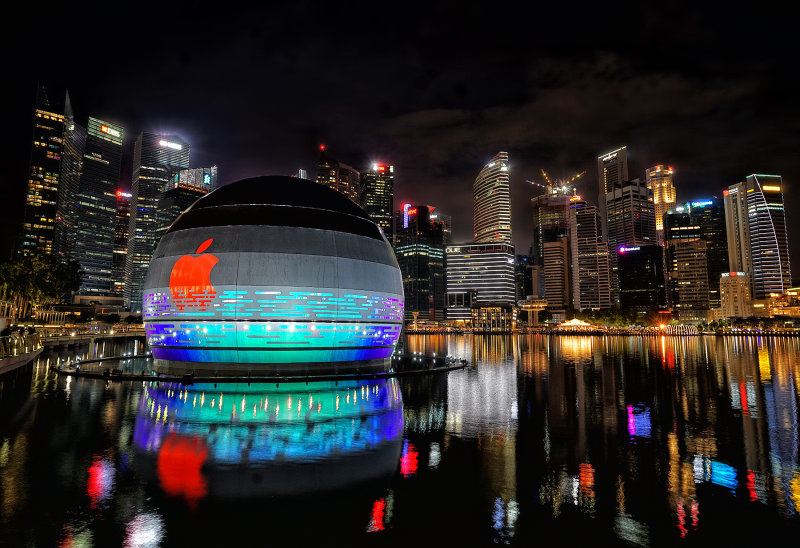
{"x":17,"y":345}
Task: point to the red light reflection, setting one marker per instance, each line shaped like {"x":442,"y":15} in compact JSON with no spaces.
{"x":180,"y":460}
{"x":408,"y":461}
{"x":378,"y":514}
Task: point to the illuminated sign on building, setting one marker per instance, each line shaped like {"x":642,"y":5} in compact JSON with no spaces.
{"x":702,"y":203}
{"x":169,"y":144}
{"x":206,"y":178}
{"x":110,"y":131}
{"x":727,"y":274}
{"x":626,"y":249}
{"x":123,"y":194}
{"x":770,"y":188}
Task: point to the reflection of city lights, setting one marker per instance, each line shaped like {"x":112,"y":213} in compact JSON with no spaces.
{"x":180,"y":460}
{"x":101,"y":481}
{"x":378,"y":513}
{"x":408,"y":461}
{"x":146,"y":529}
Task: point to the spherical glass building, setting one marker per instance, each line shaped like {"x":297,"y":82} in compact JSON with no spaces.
{"x":273,"y":276}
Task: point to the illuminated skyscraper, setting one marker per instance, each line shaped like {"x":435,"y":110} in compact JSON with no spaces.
{"x":155,"y":160}
{"x":478,"y":273}
{"x":693,"y":270}
{"x":121,"y":227}
{"x":757,"y":234}
{"x":630,"y":221}
{"x":73,"y":146}
{"x":376,"y":197}
{"x":185,"y":188}
{"x":419,"y":248}
{"x":659,"y":180}
{"x":550,"y":219}
{"x":556,"y":274}
{"x":336,"y":175}
{"x":641,"y":278}
{"x":591,"y":267}
{"x":734,"y":289}
{"x":44,"y":173}
{"x":492,"y":202}
{"x":95,"y":208}
{"x":612,"y":170}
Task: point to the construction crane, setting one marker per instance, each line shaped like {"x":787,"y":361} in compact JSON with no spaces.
{"x":558,"y":184}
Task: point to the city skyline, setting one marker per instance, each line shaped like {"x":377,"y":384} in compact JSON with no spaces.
{"x":714,"y":116}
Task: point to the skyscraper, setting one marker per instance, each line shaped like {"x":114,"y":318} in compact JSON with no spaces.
{"x":734,"y":289}
{"x":376,"y":197}
{"x":659,"y":180}
{"x":612,"y":170}
{"x":491,"y":193}
{"x":95,"y":208}
{"x":698,"y":265}
{"x":478,"y":273}
{"x":419,"y":247}
{"x":38,"y":225}
{"x":336,"y":175}
{"x":550,"y":219}
{"x":556,"y":274}
{"x":641,"y":278}
{"x":591,"y":267}
{"x":757,"y":234}
{"x":155,"y":159}
{"x":630,"y":221}
{"x":185,"y":188}
{"x":73,"y":146}
{"x":121,"y":227}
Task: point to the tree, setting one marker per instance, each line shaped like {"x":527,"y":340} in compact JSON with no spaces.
{"x":37,"y":281}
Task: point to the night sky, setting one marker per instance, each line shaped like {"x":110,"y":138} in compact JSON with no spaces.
{"x":434,"y":88}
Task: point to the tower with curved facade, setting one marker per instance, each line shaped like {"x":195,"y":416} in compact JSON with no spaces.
{"x":492,"y":202}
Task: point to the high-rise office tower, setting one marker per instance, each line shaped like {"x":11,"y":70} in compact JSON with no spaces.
{"x":737,"y":228}
{"x":630,"y":221}
{"x":376,"y":197}
{"x":95,"y":207}
{"x":550,"y":218}
{"x":121,"y":227}
{"x":185,"y":188}
{"x":39,"y":218}
{"x":550,"y":223}
{"x":641,"y":278}
{"x":591,"y":266}
{"x":556,"y":274}
{"x":478,"y":273}
{"x":491,"y":193}
{"x":419,"y":247}
{"x":447,"y":225}
{"x":734,"y":289}
{"x":155,"y":160}
{"x":700,"y":265}
{"x":630,"y":215}
{"x":757,"y":235}
{"x":336,"y":175}
{"x":72,"y":149}
{"x":525,"y":274}
{"x":659,"y":180}
{"x":612,"y":170}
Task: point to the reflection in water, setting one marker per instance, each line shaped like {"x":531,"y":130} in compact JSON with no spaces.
{"x":239,"y":440}
{"x":614,"y":440}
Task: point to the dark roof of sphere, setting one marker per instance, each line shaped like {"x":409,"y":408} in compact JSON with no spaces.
{"x":278,"y":201}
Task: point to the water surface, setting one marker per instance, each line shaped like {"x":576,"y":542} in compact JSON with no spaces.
{"x":628,"y":441}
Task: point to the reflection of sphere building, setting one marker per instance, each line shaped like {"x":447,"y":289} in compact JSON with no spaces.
{"x":241,"y":440}
{"x":273,"y":275}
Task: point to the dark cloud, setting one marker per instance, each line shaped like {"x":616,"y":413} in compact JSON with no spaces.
{"x":436,"y":89}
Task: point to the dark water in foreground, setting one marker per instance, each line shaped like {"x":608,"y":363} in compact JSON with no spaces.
{"x":627,"y":441}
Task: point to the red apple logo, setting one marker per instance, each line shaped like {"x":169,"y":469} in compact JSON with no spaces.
{"x":190,"y":279}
